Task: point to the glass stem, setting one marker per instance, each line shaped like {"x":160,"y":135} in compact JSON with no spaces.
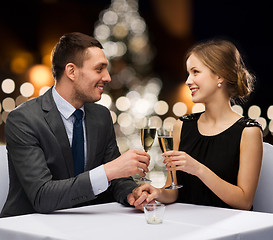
{"x":172,"y":176}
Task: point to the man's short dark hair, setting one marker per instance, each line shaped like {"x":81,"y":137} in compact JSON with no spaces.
{"x":71,"y":48}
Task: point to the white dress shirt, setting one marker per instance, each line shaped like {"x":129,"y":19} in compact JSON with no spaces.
{"x":97,"y":175}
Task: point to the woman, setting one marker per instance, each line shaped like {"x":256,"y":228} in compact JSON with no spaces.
{"x":217,"y":154}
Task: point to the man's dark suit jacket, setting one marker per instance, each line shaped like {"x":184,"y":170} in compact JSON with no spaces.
{"x":41,"y":162}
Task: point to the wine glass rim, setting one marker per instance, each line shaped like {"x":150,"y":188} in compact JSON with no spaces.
{"x":162,"y":132}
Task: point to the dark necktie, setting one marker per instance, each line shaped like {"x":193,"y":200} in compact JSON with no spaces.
{"x":78,"y":143}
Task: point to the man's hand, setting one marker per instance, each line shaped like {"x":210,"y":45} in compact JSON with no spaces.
{"x":145,"y":193}
{"x":134,"y":201}
{"x":128,"y":164}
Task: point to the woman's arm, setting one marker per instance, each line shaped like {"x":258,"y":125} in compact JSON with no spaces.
{"x":237,"y":196}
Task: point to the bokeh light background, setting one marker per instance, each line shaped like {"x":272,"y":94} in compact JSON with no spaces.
{"x":145,"y":42}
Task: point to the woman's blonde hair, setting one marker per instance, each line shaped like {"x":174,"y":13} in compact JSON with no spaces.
{"x":224,"y":59}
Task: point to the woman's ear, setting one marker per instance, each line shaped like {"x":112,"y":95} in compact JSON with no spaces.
{"x":220,"y":79}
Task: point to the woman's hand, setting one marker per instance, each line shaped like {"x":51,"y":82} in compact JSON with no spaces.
{"x":178,"y":160}
{"x":145,"y":193}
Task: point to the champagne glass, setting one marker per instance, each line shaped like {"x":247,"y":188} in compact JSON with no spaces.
{"x":147,"y":140}
{"x":165,"y":139}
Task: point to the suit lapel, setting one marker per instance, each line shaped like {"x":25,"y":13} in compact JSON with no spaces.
{"x":91,"y":135}
{"x":54,"y":120}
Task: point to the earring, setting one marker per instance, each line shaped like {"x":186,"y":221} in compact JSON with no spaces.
{"x":219,"y":85}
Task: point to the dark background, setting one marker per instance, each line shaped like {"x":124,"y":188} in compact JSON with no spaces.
{"x":248,"y":24}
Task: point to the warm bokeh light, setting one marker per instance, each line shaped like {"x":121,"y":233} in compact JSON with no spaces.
{"x":102,"y":32}
{"x":120,"y":30}
{"x":270,"y":127}
{"x":110,"y":18}
{"x":137,"y":43}
{"x":110,"y":49}
{"x":154,"y":86}
{"x":262,"y":121}
{"x":5,"y":116}
{"x":140,"y":122}
{"x":27,"y":89}
{"x":179,"y":109}
{"x":254,"y":112}
{"x":123,"y":103}
{"x":176,"y":16}
{"x":184,"y":94}
{"x":43,"y":90}
{"x":20,"y":99}
{"x":238,"y":109}
{"x":133,"y":96}
{"x":8,"y":104}
{"x":121,"y":49}
{"x":198,"y":107}
{"x":21,"y":62}
{"x":105,"y":100}
{"x":169,"y":122}
{"x":40,"y":76}
{"x":125,"y":120}
{"x":114,"y":116}
{"x":46,"y":50}
{"x":134,"y":140}
{"x":155,"y":122}
{"x":114,"y":49}
{"x":138,"y":26}
{"x":161,"y":107}
{"x":141,"y":108}
{"x":127,"y":130}
{"x":46,"y":60}
{"x":123,"y":144}
{"x":8,"y":86}
{"x":270,"y":112}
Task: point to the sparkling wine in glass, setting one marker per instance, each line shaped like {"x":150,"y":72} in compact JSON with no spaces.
{"x":147,"y":140}
{"x":165,"y":139}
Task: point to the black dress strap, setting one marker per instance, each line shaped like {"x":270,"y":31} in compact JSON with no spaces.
{"x":190,"y":117}
{"x":247,"y":122}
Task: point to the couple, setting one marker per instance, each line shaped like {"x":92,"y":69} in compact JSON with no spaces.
{"x":219,"y":155}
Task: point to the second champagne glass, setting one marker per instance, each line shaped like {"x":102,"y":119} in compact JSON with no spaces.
{"x":165,"y":139}
{"x":147,"y":140}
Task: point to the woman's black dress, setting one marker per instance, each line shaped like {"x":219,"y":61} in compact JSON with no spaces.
{"x":220,"y":153}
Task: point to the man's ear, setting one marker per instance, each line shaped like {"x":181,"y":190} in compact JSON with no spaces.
{"x":70,"y":71}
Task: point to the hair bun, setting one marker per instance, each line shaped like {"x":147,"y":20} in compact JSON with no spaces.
{"x":245,"y":82}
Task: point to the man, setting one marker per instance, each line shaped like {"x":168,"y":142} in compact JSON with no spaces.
{"x":56,"y":158}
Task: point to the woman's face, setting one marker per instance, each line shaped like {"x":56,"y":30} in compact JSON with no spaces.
{"x":201,"y":81}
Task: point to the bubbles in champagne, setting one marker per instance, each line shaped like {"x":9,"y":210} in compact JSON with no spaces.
{"x":147,"y":138}
{"x":165,"y":143}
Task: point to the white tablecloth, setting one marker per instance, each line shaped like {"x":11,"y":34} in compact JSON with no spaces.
{"x":114,"y":221}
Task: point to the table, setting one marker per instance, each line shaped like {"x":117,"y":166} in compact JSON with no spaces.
{"x":114,"y":221}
